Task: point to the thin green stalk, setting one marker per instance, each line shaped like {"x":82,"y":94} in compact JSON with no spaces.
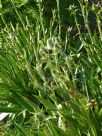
{"x":59,"y":17}
{"x":20,"y":18}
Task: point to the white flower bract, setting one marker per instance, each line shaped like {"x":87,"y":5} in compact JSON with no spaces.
{"x":59,"y":106}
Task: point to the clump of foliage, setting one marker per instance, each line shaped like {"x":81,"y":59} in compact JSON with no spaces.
{"x":50,"y":77}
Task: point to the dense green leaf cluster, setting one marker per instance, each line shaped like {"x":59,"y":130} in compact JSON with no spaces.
{"x":51,"y":68}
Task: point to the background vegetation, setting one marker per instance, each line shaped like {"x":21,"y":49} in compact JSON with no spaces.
{"x":51,"y":67}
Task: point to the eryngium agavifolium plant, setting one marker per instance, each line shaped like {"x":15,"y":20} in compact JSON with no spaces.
{"x":50,"y":86}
